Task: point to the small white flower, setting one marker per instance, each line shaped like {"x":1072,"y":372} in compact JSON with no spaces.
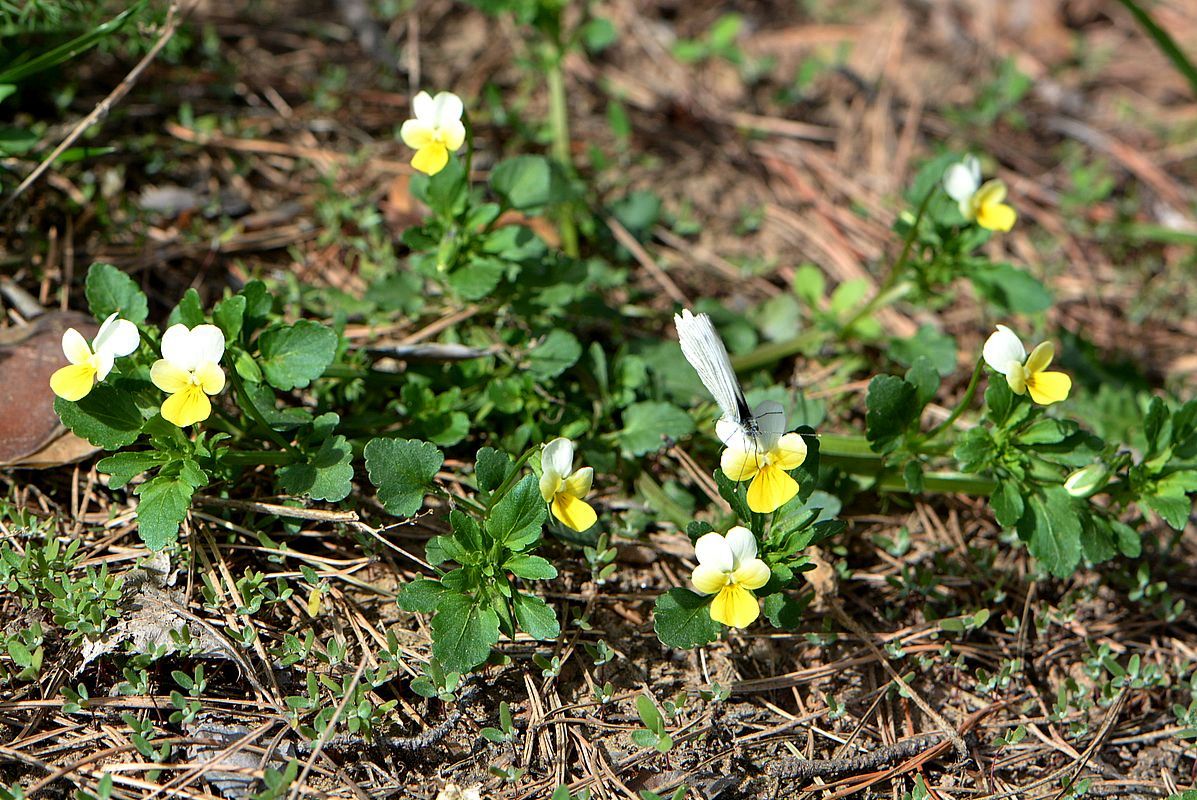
{"x":982,"y":203}
{"x":1004,"y":352}
{"x":436,"y":131}
{"x":729,"y":569}
{"x":91,"y":364}
{"x":562,"y":489}
{"x":189,"y":371}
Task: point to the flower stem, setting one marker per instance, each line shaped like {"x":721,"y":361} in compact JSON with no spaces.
{"x":853,"y":454}
{"x":559,"y":125}
{"x":964,"y":403}
{"x":886,"y":293}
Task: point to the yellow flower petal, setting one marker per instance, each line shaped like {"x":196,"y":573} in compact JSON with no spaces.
{"x":550,"y":484}
{"x":740,"y":465}
{"x":169,"y":378}
{"x":573,"y":512}
{"x":73,"y":382}
{"x":580,"y":482}
{"x":996,"y":217}
{"x":1016,"y":377}
{"x":735,"y":606}
{"x":1049,"y":387}
{"x":707,"y":579}
{"x":211,"y":377}
{"x":187,"y":407}
{"x":771,"y":489}
{"x":1041,"y":357}
{"x":789,"y":453}
{"x":752,"y":574}
{"x":431,"y":158}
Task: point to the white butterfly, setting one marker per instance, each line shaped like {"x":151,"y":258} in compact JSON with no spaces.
{"x":740,"y":425}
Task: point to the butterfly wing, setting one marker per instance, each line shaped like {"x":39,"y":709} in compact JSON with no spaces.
{"x":704,"y":349}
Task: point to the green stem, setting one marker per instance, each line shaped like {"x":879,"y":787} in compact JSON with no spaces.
{"x":853,"y":454}
{"x":256,"y":457}
{"x":509,"y":481}
{"x":1165,"y":42}
{"x":559,"y":125}
{"x":247,"y":405}
{"x":775,"y":351}
{"x":888,"y":291}
{"x":964,"y":403}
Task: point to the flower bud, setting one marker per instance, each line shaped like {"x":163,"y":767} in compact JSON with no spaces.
{"x":1087,"y":481}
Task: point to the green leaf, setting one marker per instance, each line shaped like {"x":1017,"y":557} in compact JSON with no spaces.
{"x":229,"y":316}
{"x":111,"y":291}
{"x":123,"y":467}
{"x":536,"y":617}
{"x":556,"y":353}
{"x":925,"y":379}
{"x":491,"y":468}
{"x":421,"y":595}
{"x":478,"y":278}
{"x":999,"y":399}
{"x":1007,"y":504}
{"x":524,"y":182}
{"x":107,"y":417}
{"x":1011,"y":289}
{"x":292,"y":356}
{"x":892,"y":407}
{"x":327,"y":475}
{"x":189,"y":311}
{"x":683,"y":619}
{"x":463,"y":632}
{"x":1173,"y":509}
{"x":937,"y":347}
{"x":516,"y":520}
{"x":975,"y":449}
{"x":730,"y":491}
{"x":403,"y":470}
{"x":786,"y":612}
{"x":445,"y":192}
{"x":530,"y":568}
{"x":162,"y":508}
{"x":1052,"y":531}
{"x":647,"y":425}
{"x":647,"y":710}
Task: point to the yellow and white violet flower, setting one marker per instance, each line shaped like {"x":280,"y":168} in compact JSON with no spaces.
{"x":729,"y":569}
{"x":1005,"y":353}
{"x":564,"y":490}
{"x":979,"y":202}
{"x":436,"y":131}
{"x":766,"y":459}
{"x":189,"y":371}
{"x":91,"y":364}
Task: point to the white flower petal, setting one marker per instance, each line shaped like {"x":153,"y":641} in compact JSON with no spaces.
{"x":447,"y":109}
{"x":74,"y":346}
{"x":118,"y":337}
{"x":423,"y":107}
{"x":1003,"y":348}
{"x":771,"y":421}
{"x":208,"y":343}
{"x":557,"y":458}
{"x":103,"y":362}
{"x":960,"y":181}
{"x":713,"y":551}
{"x":742,"y":544}
{"x":177,"y":349}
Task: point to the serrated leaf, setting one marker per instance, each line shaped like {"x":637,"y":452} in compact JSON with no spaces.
{"x":1052,"y":531}
{"x":892,"y":407}
{"x":1007,"y":504}
{"x":229,"y":316}
{"x":524,"y":182}
{"x":516,"y":520}
{"x":403,"y":471}
{"x":478,"y":278}
{"x":535,"y":617}
{"x":682,"y":619}
{"x":328,"y":475}
{"x":189,"y":311}
{"x":530,"y":568}
{"x":111,"y":291}
{"x":491,"y":468}
{"x":106,"y":417}
{"x":292,"y":356}
{"x":163,"y":506}
{"x":463,"y":632}
{"x":556,"y":353}
{"x":647,"y":425}
{"x":123,"y":467}
{"x":421,"y":595}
